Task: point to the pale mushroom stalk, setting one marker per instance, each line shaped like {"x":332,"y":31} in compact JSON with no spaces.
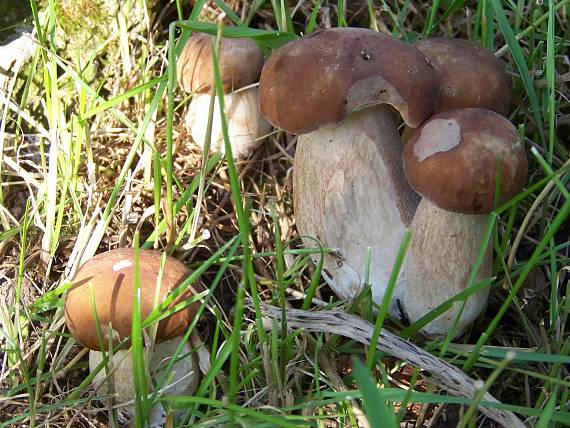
{"x":339,"y":90}
{"x":451,"y":160}
{"x":353,"y":197}
{"x":246,"y":125}
{"x":182,"y":379}
{"x":438,"y":264}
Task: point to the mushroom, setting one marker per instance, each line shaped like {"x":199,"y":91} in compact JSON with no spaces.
{"x":452,"y":161}
{"x":110,"y":278}
{"x":470,"y":75}
{"x":338,"y":89}
{"x":240,"y":62}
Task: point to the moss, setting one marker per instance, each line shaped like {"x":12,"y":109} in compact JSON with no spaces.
{"x":83,"y":25}
{"x":77,"y":16}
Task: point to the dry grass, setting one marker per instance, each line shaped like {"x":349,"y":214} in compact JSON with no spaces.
{"x":50,"y":208}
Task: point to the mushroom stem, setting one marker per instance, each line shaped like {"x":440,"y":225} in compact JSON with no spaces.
{"x":246,"y":124}
{"x":350,"y":193}
{"x":183,"y":378}
{"x":438,"y":264}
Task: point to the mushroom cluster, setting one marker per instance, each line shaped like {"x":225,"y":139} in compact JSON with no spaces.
{"x":240,"y":62}
{"x":102,"y":294}
{"x":339,"y":90}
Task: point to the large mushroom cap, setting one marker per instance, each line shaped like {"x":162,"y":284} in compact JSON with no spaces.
{"x":320,"y":79}
{"x":453,"y":160}
{"x":471,"y":76}
{"x":111,"y":275}
{"x":240,"y":63}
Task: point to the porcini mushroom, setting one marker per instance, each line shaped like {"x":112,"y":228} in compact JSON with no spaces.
{"x":109,"y":278}
{"x":470,"y":76}
{"x":240,"y":62}
{"x":338,"y":89}
{"x":453,"y":160}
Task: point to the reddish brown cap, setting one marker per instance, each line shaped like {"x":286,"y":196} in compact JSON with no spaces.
{"x":471,"y":76}
{"x":453,"y":159}
{"x":240,"y":63}
{"x":320,"y":79}
{"x":111,"y":275}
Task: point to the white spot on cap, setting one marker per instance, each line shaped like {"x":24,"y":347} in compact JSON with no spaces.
{"x":438,"y":135}
{"x":122,"y":265}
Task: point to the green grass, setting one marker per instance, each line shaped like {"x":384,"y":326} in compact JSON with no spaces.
{"x":95,"y":155}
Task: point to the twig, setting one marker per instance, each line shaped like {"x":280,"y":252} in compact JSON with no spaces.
{"x":442,"y":374}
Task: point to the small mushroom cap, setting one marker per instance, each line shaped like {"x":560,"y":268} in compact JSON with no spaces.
{"x":240,"y":63}
{"x":453,"y":159}
{"x":320,"y":79}
{"x":111,"y":275}
{"x":471,"y":76}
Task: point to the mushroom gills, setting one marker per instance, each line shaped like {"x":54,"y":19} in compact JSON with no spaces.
{"x":438,"y":264}
{"x":350,"y":193}
{"x":246,"y":125}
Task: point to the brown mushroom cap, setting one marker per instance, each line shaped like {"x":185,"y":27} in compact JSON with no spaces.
{"x":320,"y":79}
{"x":452,"y":160}
{"x":471,"y":76}
{"x":240,"y":63}
{"x":111,"y":275}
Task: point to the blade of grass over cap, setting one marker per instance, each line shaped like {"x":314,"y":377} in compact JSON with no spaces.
{"x":267,"y":38}
{"x":138,"y":352}
{"x":158,"y":312}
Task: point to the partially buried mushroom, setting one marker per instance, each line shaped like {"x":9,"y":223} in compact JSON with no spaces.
{"x":456,"y":161}
{"x":109,"y":279}
{"x":240,"y":62}
{"x":339,"y":90}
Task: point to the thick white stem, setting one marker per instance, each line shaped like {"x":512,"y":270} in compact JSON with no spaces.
{"x":246,"y":125}
{"x":350,"y":193}
{"x":182,"y":380}
{"x":441,"y":256}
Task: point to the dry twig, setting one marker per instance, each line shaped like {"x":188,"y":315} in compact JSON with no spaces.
{"x":442,"y":374}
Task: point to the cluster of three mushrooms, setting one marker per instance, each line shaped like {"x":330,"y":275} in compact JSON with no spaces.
{"x":338,"y":90}
{"x":453,"y":161}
